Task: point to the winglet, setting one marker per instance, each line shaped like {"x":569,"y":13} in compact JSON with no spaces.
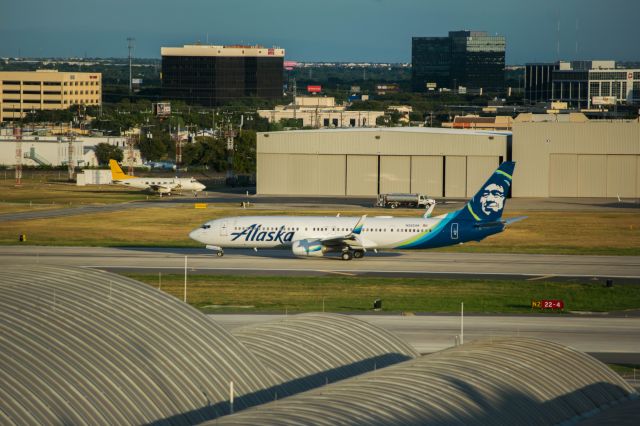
{"x":357,"y":230}
{"x":116,"y":171}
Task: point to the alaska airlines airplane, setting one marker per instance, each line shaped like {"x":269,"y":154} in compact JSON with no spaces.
{"x":157,"y":184}
{"x":351,"y":237}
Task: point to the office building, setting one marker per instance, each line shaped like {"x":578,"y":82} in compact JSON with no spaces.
{"x":582,"y":84}
{"x":469,"y":59}
{"x":317,"y":112}
{"x":538,"y":79}
{"x":24,"y":91}
{"x":214,"y":75}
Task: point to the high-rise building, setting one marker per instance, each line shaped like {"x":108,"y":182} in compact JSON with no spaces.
{"x":25,"y":91}
{"x":214,"y":75}
{"x":471,"y":59}
{"x":431,"y":63}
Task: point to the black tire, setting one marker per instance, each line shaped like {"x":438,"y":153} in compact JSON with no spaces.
{"x":220,"y":253}
{"x":346,"y":255}
{"x":358,"y":254}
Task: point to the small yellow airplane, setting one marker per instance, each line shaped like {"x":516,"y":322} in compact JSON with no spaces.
{"x":155,"y":184}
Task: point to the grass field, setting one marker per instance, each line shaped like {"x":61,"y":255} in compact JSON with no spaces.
{"x":356,"y":294}
{"x":46,"y":189}
{"x":616,"y":233}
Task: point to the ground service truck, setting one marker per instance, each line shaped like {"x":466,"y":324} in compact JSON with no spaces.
{"x":404,"y":200}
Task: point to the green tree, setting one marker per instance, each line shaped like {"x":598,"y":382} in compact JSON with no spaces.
{"x":106,"y":152}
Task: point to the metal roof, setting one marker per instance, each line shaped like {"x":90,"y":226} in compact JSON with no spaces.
{"x":499,"y":381}
{"x":310,"y":350}
{"x":80,"y":346}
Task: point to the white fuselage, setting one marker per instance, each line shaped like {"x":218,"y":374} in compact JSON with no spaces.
{"x":282,"y":231}
{"x":164,"y":185}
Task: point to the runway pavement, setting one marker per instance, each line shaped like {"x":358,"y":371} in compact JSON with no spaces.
{"x":622,"y":269}
{"x":610,"y":339}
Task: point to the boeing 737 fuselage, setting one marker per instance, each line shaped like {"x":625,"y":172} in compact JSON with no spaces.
{"x":352,"y":236}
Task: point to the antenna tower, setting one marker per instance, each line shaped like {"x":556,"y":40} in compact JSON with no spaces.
{"x":178,"y":148}
{"x":17,"y":134}
{"x":130,"y":45}
{"x":230,"y":134}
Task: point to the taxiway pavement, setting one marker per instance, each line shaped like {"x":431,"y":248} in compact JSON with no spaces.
{"x":622,"y":269}
{"x":609,"y":339}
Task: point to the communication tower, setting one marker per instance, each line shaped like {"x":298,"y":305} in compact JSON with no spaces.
{"x":178,"y":147}
{"x":17,"y":134}
{"x":130,"y":45}
{"x":229,"y":135}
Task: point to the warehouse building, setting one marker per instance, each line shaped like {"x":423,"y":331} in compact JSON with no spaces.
{"x":25,"y":91}
{"x":573,"y":159}
{"x":366,"y":162}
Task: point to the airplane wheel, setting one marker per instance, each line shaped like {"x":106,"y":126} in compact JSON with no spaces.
{"x":220,"y":253}
{"x":346,"y":255}
{"x":358,"y":254}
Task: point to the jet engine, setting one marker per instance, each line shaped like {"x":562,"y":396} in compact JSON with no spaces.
{"x":308,"y":248}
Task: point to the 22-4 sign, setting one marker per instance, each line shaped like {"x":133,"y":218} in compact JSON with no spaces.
{"x":547,"y":304}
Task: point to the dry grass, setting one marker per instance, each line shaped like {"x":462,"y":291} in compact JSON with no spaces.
{"x":41,"y":189}
{"x":615,"y":233}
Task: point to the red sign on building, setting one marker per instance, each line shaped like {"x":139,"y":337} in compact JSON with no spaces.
{"x":314,"y":89}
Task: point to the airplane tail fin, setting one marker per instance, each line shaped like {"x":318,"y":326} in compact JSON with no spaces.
{"x":488,"y":203}
{"x":116,"y":171}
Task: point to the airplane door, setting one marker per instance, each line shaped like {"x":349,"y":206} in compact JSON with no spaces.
{"x":224,"y":229}
{"x":454,"y":231}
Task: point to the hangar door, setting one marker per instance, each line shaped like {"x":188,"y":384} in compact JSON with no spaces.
{"x":563,"y":172}
{"x":455,"y":179}
{"x":622,"y":175}
{"x":426,"y":175}
{"x":479,"y":168}
{"x":592,"y":175}
{"x":272,"y":174}
{"x":395,"y":174}
{"x":362,"y":175}
{"x":331,"y":174}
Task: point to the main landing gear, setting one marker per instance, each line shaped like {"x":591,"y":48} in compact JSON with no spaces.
{"x":352,"y":254}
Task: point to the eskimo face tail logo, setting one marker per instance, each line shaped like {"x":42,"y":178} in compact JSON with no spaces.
{"x":492,"y":199}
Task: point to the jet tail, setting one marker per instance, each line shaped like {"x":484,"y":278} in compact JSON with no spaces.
{"x":116,"y":171}
{"x":488,"y":203}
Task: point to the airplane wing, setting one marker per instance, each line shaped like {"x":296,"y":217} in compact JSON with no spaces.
{"x":163,"y":188}
{"x":351,"y":239}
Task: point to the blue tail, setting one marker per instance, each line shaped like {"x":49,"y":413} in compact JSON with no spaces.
{"x":488,"y":203}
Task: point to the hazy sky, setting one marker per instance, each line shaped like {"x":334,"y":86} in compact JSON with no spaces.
{"x":319,"y":30}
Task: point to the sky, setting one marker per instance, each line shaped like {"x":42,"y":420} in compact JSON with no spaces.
{"x":313,"y":30}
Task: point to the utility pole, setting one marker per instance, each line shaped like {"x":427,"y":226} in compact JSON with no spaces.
{"x":230,"y":134}
{"x":70,"y":165}
{"x":130,"y":45}
{"x":130,"y":155}
{"x":17,"y":134}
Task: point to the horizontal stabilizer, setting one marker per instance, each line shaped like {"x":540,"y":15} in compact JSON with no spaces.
{"x":499,"y":222}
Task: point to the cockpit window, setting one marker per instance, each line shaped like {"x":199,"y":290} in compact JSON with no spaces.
{"x":206,"y":226}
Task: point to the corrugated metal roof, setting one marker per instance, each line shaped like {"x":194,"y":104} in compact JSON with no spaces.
{"x":81,"y":346}
{"x":435,"y":130}
{"x":310,"y":350}
{"x":501,"y":381}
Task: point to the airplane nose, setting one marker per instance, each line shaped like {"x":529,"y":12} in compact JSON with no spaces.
{"x":195,"y":234}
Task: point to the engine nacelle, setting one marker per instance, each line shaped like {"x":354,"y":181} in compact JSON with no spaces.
{"x":308,"y":248}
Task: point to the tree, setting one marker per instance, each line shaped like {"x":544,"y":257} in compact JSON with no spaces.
{"x":106,"y":152}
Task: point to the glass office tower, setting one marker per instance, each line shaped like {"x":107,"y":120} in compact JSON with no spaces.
{"x":215,"y":75}
{"x":471,"y":59}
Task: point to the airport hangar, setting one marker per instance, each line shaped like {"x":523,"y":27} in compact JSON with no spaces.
{"x":555,"y":159}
